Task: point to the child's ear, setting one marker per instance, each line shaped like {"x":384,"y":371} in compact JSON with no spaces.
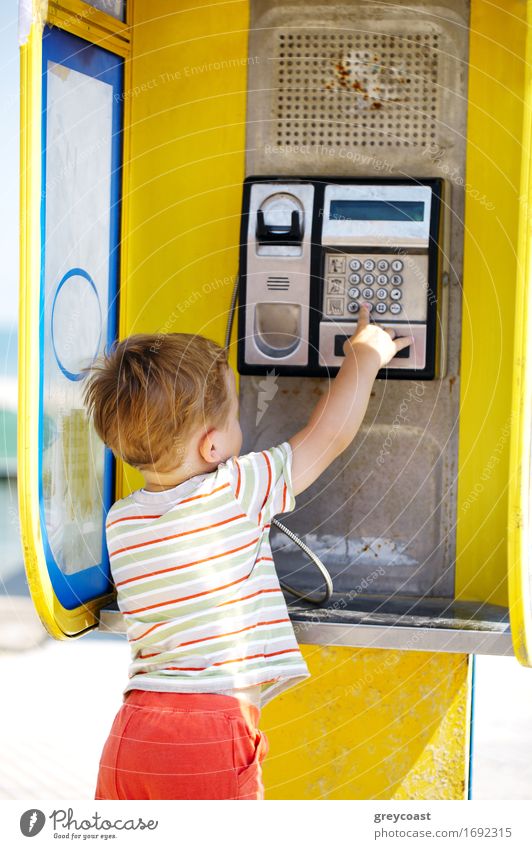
{"x":208,"y":447}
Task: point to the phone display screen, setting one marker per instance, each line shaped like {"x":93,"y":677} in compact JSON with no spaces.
{"x":377,"y":210}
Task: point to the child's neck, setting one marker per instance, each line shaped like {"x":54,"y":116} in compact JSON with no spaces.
{"x":159,"y":481}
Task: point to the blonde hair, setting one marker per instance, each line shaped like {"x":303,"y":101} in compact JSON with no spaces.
{"x":149,"y":392}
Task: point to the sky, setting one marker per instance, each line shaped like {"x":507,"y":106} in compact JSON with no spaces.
{"x":9,"y":157}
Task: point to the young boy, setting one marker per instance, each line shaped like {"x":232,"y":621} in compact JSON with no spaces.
{"x":211,"y":640}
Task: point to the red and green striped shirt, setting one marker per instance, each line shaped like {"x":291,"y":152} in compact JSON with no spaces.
{"x":197,"y":585}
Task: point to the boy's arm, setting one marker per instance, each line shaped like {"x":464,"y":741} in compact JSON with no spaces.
{"x":338,"y":415}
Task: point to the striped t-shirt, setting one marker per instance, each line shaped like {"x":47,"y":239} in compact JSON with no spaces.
{"x":197,"y":585}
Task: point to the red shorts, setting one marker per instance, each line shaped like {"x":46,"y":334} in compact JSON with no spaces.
{"x":183,"y":746}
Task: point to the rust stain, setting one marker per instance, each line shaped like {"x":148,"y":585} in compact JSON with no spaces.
{"x":342,"y":73}
{"x":342,"y":69}
{"x":378,"y":84}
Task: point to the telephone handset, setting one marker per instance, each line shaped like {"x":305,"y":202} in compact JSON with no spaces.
{"x":312,"y":250}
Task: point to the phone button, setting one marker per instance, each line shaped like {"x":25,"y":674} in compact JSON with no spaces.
{"x":369,"y":264}
{"x":339,"y":342}
{"x":335,"y":286}
{"x":397,"y":265}
{"x":355,"y":264}
{"x":380,"y":307}
{"x":396,"y":279}
{"x":382,"y":294}
{"x":395,"y":308}
{"x":336,"y":265}
{"x":382,"y":279}
{"x":352,"y":306}
{"x":353,"y":292}
{"x":395,"y":294}
{"x":334,"y":306}
{"x":354,"y":278}
{"x":382,"y":265}
{"x":404,"y":352}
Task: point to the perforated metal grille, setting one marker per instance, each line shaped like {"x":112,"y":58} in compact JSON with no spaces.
{"x":370,"y":89}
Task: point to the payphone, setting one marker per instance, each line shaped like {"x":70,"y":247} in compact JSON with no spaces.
{"x":313,"y":250}
{"x":414,"y":521}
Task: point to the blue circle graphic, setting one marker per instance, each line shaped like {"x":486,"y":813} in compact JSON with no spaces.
{"x":75,"y":272}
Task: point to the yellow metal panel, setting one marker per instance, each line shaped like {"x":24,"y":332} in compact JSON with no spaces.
{"x":58,"y":620}
{"x":89,"y":23}
{"x":496,"y":77}
{"x":370,"y":724}
{"x":187,"y":98}
{"x":125,"y":475}
{"x":519,"y":548}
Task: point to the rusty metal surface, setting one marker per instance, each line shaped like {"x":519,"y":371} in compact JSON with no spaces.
{"x":382,"y":87}
{"x":383,"y":512}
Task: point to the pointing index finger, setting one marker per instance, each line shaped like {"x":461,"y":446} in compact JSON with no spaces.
{"x":363,"y":317}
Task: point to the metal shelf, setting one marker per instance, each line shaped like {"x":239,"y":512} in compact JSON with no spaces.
{"x":406,"y":623}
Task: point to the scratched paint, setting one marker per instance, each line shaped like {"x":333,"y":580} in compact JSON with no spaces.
{"x":370,"y":724}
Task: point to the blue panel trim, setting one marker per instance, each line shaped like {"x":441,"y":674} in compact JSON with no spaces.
{"x":75,"y":272}
{"x":471,"y":728}
{"x":80,"y":55}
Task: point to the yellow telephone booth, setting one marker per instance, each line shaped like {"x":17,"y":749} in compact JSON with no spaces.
{"x":315,"y":154}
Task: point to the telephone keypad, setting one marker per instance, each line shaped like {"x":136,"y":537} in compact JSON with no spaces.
{"x":381,"y":290}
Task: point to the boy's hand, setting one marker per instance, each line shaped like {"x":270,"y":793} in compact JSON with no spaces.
{"x":379,"y":340}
